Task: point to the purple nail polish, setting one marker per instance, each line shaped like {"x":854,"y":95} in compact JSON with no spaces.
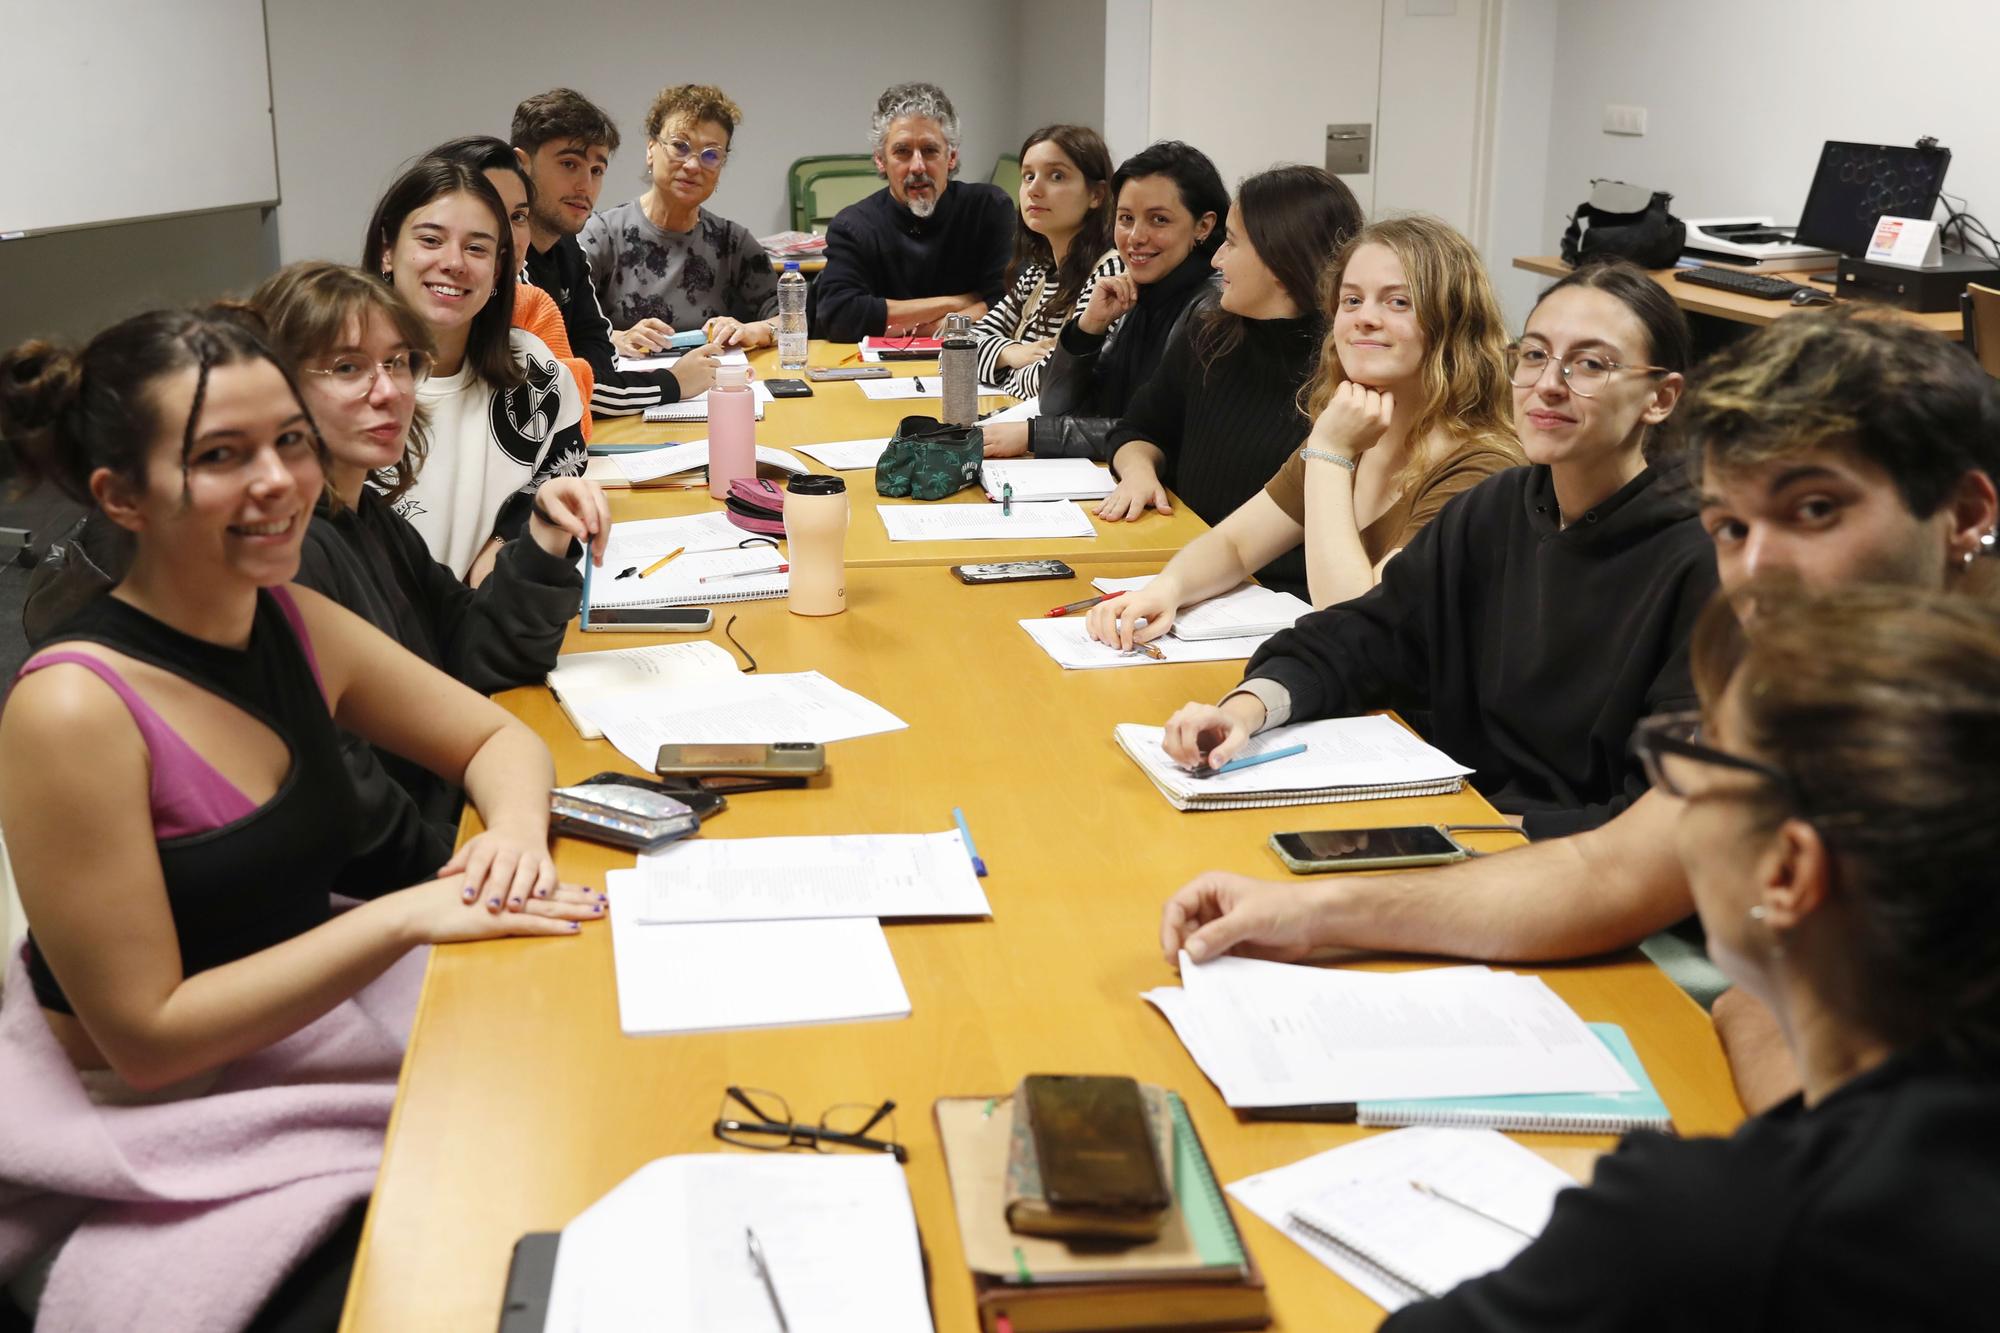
{"x":492,"y":902}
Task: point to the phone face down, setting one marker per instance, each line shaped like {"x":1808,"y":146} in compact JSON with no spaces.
{"x":650,"y":619}
{"x":1013,"y":571}
{"x":797,"y":758}
{"x":847,"y":373}
{"x":1366,"y":848}
{"x":1094,"y":1143}
{"x":789,"y":388}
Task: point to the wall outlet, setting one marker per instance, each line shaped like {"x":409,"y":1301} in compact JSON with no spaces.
{"x":1625,"y":120}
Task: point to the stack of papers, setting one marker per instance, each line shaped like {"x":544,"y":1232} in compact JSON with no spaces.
{"x":667,"y":360}
{"x":630,"y":467}
{"x":1247,"y":611}
{"x":1346,"y":759}
{"x":642,"y":541}
{"x":984,"y":522}
{"x":1068,"y":641}
{"x":738,"y":709}
{"x":1355,"y":1210}
{"x":582,"y":680}
{"x":1285,"y":1035}
{"x":666,"y":1249}
{"x":1046,"y":479}
{"x":783,"y":879}
{"x":846,"y":455}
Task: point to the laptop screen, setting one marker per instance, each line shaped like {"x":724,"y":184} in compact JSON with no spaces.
{"x":1857,"y":183}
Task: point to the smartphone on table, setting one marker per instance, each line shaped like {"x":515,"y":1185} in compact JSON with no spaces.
{"x":786,"y":758}
{"x":789,"y":388}
{"x":823,"y":373}
{"x":1013,"y":571}
{"x":1094,"y":1143}
{"x":1367,"y":848}
{"x":647,"y":619}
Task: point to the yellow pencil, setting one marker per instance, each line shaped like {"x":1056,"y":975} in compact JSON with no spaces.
{"x":661,"y":561}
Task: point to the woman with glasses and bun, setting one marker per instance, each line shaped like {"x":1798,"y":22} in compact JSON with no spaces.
{"x":1543,"y":612}
{"x":361,"y":356}
{"x":198,"y":1059}
{"x":662,"y":263}
{"x":1836,"y":828}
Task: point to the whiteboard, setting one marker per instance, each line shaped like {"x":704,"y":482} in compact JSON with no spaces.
{"x":115,"y":110}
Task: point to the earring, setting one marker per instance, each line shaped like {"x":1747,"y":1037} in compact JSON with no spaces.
{"x":1757,"y":913}
{"x":1970,"y":556}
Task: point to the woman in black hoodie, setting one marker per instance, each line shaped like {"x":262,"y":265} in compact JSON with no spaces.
{"x":1170,"y":203}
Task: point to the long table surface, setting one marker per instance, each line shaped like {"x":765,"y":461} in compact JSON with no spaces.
{"x":1738,"y":308}
{"x":839,"y":411}
{"x":521,"y":1102}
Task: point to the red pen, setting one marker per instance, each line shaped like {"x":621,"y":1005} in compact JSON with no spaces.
{"x":1084,"y":605}
{"x":745,"y":573}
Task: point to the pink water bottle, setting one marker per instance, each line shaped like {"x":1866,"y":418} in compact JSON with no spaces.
{"x":732,"y":429}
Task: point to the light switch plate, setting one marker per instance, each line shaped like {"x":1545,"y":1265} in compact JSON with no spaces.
{"x":1629,"y":120}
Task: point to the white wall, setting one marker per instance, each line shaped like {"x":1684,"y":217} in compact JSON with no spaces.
{"x":1058,"y":67}
{"x":1127,"y":77}
{"x":1738,"y":128}
{"x":1430,"y":144}
{"x":1524,"y":96}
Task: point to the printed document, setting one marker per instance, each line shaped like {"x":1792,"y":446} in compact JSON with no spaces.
{"x":984,"y":522}
{"x":767,"y":879}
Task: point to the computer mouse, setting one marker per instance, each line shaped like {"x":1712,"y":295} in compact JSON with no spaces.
{"x":1807,"y":296}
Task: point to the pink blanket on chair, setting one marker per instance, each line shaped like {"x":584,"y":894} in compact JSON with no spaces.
{"x":187,"y":1214}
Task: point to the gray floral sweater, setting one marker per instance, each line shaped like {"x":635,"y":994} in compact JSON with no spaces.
{"x":684,"y":278}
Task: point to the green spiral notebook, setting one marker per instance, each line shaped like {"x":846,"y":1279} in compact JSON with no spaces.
{"x":1573,"y":1113}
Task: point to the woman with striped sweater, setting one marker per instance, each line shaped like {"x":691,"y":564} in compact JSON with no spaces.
{"x":1062,"y":246}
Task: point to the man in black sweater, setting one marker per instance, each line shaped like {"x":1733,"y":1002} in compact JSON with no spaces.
{"x":565,"y":143}
{"x":925,"y":246}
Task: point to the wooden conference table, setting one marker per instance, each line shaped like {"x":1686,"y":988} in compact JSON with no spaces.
{"x":521,"y":1102}
{"x":1696,"y":299}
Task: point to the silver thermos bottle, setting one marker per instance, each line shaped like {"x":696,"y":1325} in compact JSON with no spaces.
{"x":958,"y":364}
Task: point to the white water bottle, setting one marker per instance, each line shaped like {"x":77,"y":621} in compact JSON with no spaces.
{"x":791,"y":317}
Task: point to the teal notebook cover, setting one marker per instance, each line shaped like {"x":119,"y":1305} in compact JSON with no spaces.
{"x":1577,"y":1112}
{"x":1202,"y":1205}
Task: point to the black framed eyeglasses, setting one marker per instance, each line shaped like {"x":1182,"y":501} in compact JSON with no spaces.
{"x":1668,"y":744}
{"x":1584,"y":372}
{"x":760,"y":1119}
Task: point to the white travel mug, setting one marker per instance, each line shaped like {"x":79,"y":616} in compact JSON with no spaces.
{"x":816,"y":533}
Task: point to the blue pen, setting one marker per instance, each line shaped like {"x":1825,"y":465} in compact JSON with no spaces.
{"x":1250,"y":761}
{"x":978,"y":866}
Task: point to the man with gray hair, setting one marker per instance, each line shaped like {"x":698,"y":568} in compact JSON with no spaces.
{"x":923,"y":248}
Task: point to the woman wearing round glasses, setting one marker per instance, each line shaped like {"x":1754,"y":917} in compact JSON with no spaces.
{"x":1837,"y":831}
{"x":663,"y":263}
{"x":362,"y":353}
{"x":1545,"y":611}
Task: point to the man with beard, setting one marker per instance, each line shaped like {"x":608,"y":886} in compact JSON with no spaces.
{"x":925,"y":247}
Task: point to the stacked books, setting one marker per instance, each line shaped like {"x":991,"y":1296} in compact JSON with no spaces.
{"x":1195,"y":1273}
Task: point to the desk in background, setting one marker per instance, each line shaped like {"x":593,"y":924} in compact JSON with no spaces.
{"x":1739,"y":309}
{"x":838,"y":410}
{"x":521,"y":1102}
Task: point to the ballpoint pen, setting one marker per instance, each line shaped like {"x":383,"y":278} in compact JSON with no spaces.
{"x":1438,"y":1194}
{"x":1250,"y":761}
{"x":978,"y":864}
{"x":1006,"y":499}
{"x":919,"y":381}
{"x":1083,"y":605}
{"x":653,"y":568}
{"x":1149,"y":650}
{"x":757,"y":1261}
{"x":746,"y":573}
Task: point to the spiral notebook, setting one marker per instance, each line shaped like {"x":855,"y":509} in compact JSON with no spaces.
{"x":1346,"y":759}
{"x":680,"y":582}
{"x":1565,"y":1113}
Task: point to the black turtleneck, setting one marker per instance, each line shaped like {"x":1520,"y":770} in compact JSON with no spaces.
{"x":878,"y":251}
{"x":1533,"y":647}
{"x":1227,"y":424}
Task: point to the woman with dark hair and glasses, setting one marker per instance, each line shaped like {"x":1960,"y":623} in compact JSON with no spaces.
{"x":1543,"y":612}
{"x":1219,"y":413}
{"x":1837,"y":830}
{"x":505,"y":415}
{"x":662,"y":263}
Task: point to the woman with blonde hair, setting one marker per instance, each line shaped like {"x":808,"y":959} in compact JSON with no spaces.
{"x":1546,"y":611}
{"x":1409,"y":406}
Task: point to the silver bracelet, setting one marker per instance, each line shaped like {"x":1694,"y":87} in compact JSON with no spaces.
{"x":1310,"y":452}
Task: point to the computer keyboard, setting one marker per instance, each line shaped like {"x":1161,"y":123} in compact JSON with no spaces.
{"x":1743,"y":284}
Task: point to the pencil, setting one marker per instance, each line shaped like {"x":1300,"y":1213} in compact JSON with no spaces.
{"x":649,"y":569}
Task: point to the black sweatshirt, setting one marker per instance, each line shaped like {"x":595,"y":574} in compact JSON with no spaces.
{"x":1873,"y":1210}
{"x":505,"y":633}
{"x":1227,"y":427}
{"x":1090,"y":378}
{"x":878,"y":251}
{"x":563,"y":271}
{"x":1534,"y":648}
